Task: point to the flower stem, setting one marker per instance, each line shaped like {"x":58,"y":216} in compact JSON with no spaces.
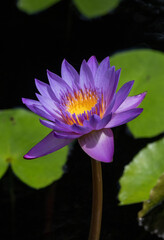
{"x":97,"y":200}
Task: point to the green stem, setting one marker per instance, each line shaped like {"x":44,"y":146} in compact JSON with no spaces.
{"x":50,"y":198}
{"x":97,"y":201}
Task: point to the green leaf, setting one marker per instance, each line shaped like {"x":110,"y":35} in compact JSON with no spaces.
{"x":21,"y":130}
{"x":153,"y":221}
{"x":146,"y":68}
{"x":95,"y":8}
{"x":141,"y":175}
{"x":34,"y":6}
{"x":3,"y":165}
{"x":156,"y":197}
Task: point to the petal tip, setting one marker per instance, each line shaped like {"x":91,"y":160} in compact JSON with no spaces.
{"x":84,"y":63}
{"x":118,"y":72}
{"x":109,"y":161}
{"x":131,"y":83}
{"x":28,"y":157}
{"x":106,"y":160}
{"x":92,"y":58}
{"x":36,"y":81}
{"x":144,"y":94}
{"x":48,"y":72}
{"x":107,"y":60}
{"x":24,"y":100}
{"x":64,"y":61}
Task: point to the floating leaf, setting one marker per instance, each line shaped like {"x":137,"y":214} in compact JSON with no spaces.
{"x":95,"y":8}
{"x":20,"y":130}
{"x":146,"y":68}
{"x":156,"y":197}
{"x":154,"y":221}
{"x":34,"y":6}
{"x":4,"y":146}
{"x":141,"y":175}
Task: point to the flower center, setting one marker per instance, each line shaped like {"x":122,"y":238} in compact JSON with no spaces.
{"x":81,"y":102}
{"x":80,"y":105}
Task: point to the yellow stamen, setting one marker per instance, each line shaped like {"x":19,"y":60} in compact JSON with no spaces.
{"x":82,"y":102}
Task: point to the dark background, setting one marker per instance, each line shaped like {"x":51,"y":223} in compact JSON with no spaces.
{"x":30,"y":45}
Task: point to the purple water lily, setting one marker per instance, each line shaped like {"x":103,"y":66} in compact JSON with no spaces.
{"x":83,"y":106}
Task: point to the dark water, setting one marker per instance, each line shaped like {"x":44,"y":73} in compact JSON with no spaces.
{"x":30,"y":45}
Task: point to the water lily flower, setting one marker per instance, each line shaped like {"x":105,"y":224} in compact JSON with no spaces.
{"x":83,"y":106}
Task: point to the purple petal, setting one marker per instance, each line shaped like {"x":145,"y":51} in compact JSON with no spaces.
{"x":45,"y":90}
{"x":92,"y":122}
{"x":96,"y":123}
{"x":104,"y":121}
{"x":122,"y":94}
{"x":69,"y":74}
{"x":93,"y":65}
{"x":67,"y":135}
{"x":48,"y":145}
{"x":98,"y":145}
{"x":61,"y":124}
{"x":50,"y":106}
{"x":123,"y":117}
{"x":48,"y":124}
{"x":86,"y":78}
{"x":55,"y":127}
{"x":131,"y":102}
{"x":102,"y":68}
{"x":117,"y":73}
{"x":65,"y":128}
{"x":30,"y":102}
{"x":37,"y":108}
{"x":109,"y":84}
{"x":110,"y":106}
{"x":47,"y":102}
{"x":80,"y":129}
{"x":58,"y":85}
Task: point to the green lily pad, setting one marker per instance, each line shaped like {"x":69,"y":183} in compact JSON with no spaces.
{"x":141,"y":175}
{"x":34,"y":6}
{"x":146,"y":68}
{"x":156,"y":197}
{"x":153,"y":221}
{"x":20,"y":130}
{"x":95,"y":8}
